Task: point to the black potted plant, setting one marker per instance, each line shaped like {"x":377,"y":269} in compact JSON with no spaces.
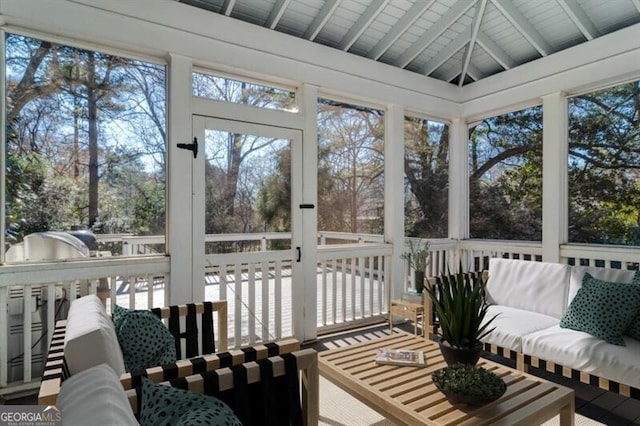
{"x":418,"y":259}
{"x":468,"y":384}
{"x":459,"y":304}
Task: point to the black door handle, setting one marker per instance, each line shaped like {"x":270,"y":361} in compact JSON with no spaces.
{"x":307,"y":206}
{"x":191,"y":147}
{"x":299,"y":254}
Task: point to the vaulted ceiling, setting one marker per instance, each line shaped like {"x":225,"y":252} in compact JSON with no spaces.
{"x":457,"y":41}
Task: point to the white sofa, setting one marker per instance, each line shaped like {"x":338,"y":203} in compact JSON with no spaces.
{"x":530,"y":299}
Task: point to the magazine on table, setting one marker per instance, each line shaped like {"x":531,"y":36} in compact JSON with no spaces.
{"x":401,"y":357}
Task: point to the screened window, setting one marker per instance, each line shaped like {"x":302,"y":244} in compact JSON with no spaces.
{"x":242,"y":92}
{"x":350,"y":168}
{"x":426,"y":172}
{"x":505,"y":176}
{"x":85,"y":150}
{"x":604,"y":166}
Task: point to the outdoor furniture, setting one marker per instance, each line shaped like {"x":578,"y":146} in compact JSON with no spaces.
{"x":530,"y":299}
{"x":407,"y":310}
{"x":407,"y":395}
{"x":99,"y":345}
{"x":282,"y":389}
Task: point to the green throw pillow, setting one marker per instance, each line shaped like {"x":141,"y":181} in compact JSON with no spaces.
{"x":603,"y":309}
{"x":634,"y":329}
{"x":165,"y":405}
{"x":145,"y":342}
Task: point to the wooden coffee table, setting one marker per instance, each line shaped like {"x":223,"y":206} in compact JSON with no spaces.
{"x":408,"y":396}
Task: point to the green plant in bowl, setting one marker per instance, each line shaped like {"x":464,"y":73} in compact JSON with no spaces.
{"x":468,"y":384}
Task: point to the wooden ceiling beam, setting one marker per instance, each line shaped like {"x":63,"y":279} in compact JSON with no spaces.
{"x":525,"y":28}
{"x":407,"y":20}
{"x":362,"y":23}
{"x":276,"y":13}
{"x":441,"y":25}
{"x":321,"y":19}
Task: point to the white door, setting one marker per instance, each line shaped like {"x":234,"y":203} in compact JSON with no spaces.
{"x":247,"y":220}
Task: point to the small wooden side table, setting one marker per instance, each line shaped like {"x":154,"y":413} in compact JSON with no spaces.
{"x":407,"y":310}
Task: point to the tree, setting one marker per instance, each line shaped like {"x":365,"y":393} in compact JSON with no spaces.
{"x":426,"y":168}
{"x":74,"y":118}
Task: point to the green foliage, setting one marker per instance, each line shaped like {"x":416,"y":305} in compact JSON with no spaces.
{"x":459,"y":303}
{"x":466,"y":380}
{"x":426,"y":168}
{"x":418,"y":255}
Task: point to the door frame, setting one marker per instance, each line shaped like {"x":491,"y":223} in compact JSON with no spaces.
{"x":200,"y":124}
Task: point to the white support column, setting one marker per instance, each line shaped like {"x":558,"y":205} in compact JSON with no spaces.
{"x":394,"y":196}
{"x":185,"y":285}
{"x":308,"y":103}
{"x":3,"y":142}
{"x":554,"y":175}
{"x":458,"y":184}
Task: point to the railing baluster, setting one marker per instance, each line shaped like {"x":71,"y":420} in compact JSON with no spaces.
{"x":265,"y":301}
{"x":51,"y":311}
{"x":132,"y":292}
{"x":237,"y":287}
{"x":323,"y":290}
{"x":344,"y":290}
{"x":334,"y":290}
{"x":278,"y":301}
{"x":371,"y":296}
{"x":252,"y":303}
{"x":4,"y":329}
{"x":27,"y":332}
{"x":150,"y":288}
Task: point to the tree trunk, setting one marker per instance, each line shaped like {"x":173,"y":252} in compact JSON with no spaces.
{"x":92,"y":106}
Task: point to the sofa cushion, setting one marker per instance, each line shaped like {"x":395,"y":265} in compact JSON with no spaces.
{"x":511,"y":324}
{"x":90,"y":337}
{"x":145,"y":342}
{"x":603,"y":309}
{"x":584,"y":352}
{"x":167,"y":406}
{"x":604,"y":274}
{"x":533,"y":286}
{"x":95,"y":396}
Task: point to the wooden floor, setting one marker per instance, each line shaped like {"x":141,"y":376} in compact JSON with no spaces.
{"x":605,"y":407}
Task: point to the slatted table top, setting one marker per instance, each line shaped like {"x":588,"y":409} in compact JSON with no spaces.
{"x":407,"y":395}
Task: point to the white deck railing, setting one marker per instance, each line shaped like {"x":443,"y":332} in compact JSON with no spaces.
{"x":352,"y":286}
{"x":31,"y":288}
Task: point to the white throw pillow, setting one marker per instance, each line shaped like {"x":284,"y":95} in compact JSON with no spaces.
{"x":95,"y":396}
{"x":90,"y":337}
{"x":533,"y":286}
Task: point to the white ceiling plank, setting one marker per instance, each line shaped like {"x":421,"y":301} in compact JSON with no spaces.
{"x":475,"y":27}
{"x":582,"y":21}
{"x":276,"y":13}
{"x":636,"y":3}
{"x":527,"y":30}
{"x":450,"y":74}
{"x":227,"y":7}
{"x":445,"y":21}
{"x":474,"y":73}
{"x":495,"y":51}
{"x":362,"y":23}
{"x":321,"y":19}
{"x":446,"y":53}
{"x":412,"y":15}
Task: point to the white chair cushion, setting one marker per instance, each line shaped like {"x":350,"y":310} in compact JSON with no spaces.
{"x":90,"y":337}
{"x":603,"y":274}
{"x":95,"y":396}
{"x":583,"y":352}
{"x":533,"y":286}
{"x":511,"y":324}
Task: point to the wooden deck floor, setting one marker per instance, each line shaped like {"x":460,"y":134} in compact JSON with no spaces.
{"x":605,"y":407}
